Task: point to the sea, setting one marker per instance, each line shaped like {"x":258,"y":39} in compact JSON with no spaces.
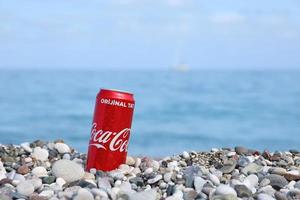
{"x":174,"y":111}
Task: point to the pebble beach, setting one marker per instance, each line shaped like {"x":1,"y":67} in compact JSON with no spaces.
{"x":53,"y":170}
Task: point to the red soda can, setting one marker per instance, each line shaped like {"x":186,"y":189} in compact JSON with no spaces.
{"x":110,"y":130}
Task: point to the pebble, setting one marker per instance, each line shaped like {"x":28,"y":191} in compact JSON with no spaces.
{"x":241,"y":150}
{"x":199,"y":183}
{"x":26,"y":147}
{"x":62,"y":148}
{"x":280,"y":196}
{"x":185,"y":155}
{"x":25,"y":188}
{"x":225,"y":190}
{"x":263,"y":196}
{"x":167,"y":177}
{"x":130,"y":161}
{"x":277,"y":181}
{"x":228,"y":166}
{"x":293,"y":194}
{"x":277,"y":170}
{"x":145,"y":195}
{"x":40,"y":154}
{"x":251,"y":181}
{"x":137,"y":181}
{"x":23,"y":169}
{"x":39,"y":171}
{"x":36,"y":182}
{"x":297,"y":185}
{"x":251,"y":168}
{"x":155,"y":179}
{"x":84,"y":194}
{"x":214,"y":179}
{"x":47,"y":194}
{"x":190,"y":194}
{"x":243,"y":191}
{"x":60,"y":181}
{"x":49,"y":179}
{"x":68,"y":170}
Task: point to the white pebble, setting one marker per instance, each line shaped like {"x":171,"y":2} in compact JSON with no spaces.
{"x":25,"y":188}
{"x":167,"y":177}
{"x":36,"y":182}
{"x":60,"y":181}
{"x":47,"y":193}
{"x":68,"y":170}
{"x":251,"y":181}
{"x":263,"y":196}
{"x":40,"y":154}
{"x":199,"y":183}
{"x":149,"y":170}
{"x":155,"y":179}
{"x":62,"y":148}
{"x":214,"y":179}
{"x":26,"y":147}
{"x":225,"y":190}
{"x":155,"y":165}
{"x":138,"y":161}
{"x":40,"y":171}
{"x":149,"y":194}
{"x":185,"y":155}
{"x":28,"y":159}
{"x":230,"y":154}
{"x":130,"y":161}
{"x":67,"y":156}
{"x":84,"y":194}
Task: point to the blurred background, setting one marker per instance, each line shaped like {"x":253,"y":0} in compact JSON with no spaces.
{"x":205,"y":73}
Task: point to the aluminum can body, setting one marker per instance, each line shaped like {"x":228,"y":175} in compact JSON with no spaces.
{"x":110,"y":130}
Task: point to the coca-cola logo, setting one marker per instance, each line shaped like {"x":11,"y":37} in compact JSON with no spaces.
{"x":117,"y":140}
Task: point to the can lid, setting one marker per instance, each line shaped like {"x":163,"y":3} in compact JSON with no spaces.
{"x":116,"y":90}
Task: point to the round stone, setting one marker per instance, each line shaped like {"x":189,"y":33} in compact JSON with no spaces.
{"x":251,"y":168}
{"x":225,"y":190}
{"x":228,"y":166}
{"x":25,"y":188}
{"x":130,"y":161}
{"x":155,"y":179}
{"x":243,"y":191}
{"x":199,"y":183}
{"x":277,"y":181}
{"x":26,"y":147}
{"x":23,"y":169}
{"x":40,"y":154}
{"x":68,"y":170}
{"x":263,"y":196}
{"x":241,"y":150}
{"x":214,"y":179}
{"x":47,"y":194}
{"x":36,"y":182}
{"x":62,"y":148}
{"x":144,"y":195}
{"x":167,"y":177}
{"x":293,"y":194}
{"x":185,"y":155}
{"x":251,"y":181}
{"x":277,"y":170}
{"x":39,"y":171}
{"x":49,"y":179}
{"x":243,"y":161}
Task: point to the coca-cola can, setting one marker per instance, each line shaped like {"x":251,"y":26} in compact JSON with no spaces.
{"x":110,"y":130}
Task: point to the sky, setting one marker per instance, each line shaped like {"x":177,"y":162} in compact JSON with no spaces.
{"x":150,"y":34}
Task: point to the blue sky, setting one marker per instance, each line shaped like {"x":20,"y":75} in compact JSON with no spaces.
{"x":150,"y":34}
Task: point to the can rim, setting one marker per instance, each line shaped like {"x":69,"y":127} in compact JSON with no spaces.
{"x":116,"y":90}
